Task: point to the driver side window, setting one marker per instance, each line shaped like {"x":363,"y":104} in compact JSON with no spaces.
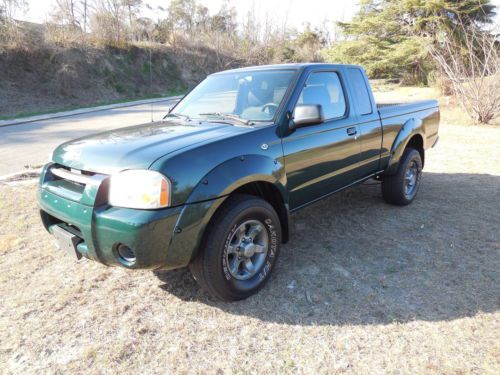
{"x":259,"y":97}
{"x":325,"y":89}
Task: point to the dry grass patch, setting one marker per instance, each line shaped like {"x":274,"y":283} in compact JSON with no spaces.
{"x":8,"y":241}
{"x":362,"y":288}
{"x":451,"y":112}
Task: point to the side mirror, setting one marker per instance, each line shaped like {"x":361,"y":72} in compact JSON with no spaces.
{"x":306,"y":115}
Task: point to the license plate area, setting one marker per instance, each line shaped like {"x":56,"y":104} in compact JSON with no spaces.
{"x":67,"y":241}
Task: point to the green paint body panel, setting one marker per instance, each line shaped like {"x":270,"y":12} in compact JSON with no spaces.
{"x":151,"y":233}
{"x":207,"y":161}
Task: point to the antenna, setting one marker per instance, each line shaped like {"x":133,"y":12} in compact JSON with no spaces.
{"x":151,"y":80}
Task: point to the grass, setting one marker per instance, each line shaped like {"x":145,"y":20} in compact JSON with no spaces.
{"x":8,"y":241}
{"x":361,"y":288}
{"x":98,"y":103}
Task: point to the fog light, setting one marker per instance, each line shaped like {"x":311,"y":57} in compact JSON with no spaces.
{"x":126,"y":253}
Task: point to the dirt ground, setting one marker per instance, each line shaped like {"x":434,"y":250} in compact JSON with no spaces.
{"x":361,"y":288}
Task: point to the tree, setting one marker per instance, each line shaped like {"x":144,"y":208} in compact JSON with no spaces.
{"x":9,"y":32}
{"x":430,"y":18}
{"x":386,"y":36}
{"x":182,"y":14}
{"x":85,"y":9}
{"x":66,"y":22}
{"x":309,"y":43}
{"x":471,"y":65}
{"x":133,"y":9}
{"x":108,"y":20}
{"x":224,"y":21}
{"x":9,"y":8}
{"x":66,"y":13}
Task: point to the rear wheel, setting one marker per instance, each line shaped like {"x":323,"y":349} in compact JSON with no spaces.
{"x":240,"y":249}
{"x":401,"y":188}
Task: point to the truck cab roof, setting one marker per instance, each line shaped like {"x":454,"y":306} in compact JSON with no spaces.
{"x":294,"y":66}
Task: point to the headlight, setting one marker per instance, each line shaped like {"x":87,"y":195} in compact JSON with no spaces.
{"x":141,"y":189}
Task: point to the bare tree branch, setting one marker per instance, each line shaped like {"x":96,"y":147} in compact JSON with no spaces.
{"x":473,"y":69}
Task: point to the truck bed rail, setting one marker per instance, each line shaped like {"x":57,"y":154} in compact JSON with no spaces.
{"x":396,"y":109}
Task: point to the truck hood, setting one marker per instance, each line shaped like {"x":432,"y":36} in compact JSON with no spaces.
{"x":137,"y":147}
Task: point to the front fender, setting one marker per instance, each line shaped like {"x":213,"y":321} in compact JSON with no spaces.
{"x":236,"y":172}
{"x":210,"y":193}
{"x":410,"y":128}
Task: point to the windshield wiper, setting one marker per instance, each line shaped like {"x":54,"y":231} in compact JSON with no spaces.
{"x":223,"y":116}
{"x":178,"y":115}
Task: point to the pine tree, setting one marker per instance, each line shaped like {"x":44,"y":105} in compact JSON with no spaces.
{"x":388,"y":37}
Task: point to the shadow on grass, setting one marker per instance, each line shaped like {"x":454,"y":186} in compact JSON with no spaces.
{"x":355,"y":260}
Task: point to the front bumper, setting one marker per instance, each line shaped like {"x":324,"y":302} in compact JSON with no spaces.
{"x":167,"y":238}
{"x":102,"y":229}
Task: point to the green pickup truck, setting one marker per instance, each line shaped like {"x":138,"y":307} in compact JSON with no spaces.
{"x":212,"y":185}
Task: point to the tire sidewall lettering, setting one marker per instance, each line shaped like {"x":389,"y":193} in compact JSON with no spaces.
{"x":271,"y":255}
{"x":225,"y":266}
{"x":273,"y":244}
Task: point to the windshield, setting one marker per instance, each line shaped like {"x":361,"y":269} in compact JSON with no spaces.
{"x":249,"y":96}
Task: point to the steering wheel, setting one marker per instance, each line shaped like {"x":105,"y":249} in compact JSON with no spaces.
{"x":269,"y":105}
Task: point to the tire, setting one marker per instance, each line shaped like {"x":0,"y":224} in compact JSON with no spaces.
{"x":222,"y":265}
{"x":396,"y":189}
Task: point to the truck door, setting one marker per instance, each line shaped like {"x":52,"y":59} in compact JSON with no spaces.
{"x":322,"y":158}
{"x":370,"y":126}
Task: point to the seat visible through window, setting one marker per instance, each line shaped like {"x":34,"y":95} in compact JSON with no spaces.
{"x":325,"y":89}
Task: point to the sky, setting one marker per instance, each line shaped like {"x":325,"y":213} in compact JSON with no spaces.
{"x":295,"y":13}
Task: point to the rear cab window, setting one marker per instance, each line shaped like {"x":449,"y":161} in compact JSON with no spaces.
{"x":360,"y":91}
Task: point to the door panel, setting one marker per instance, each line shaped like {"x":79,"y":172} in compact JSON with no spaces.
{"x":370,"y":127}
{"x":324,"y":157}
{"x":371,"y":144}
{"x":320,"y":159}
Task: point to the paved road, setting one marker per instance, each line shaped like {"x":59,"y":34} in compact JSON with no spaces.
{"x":31,"y":144}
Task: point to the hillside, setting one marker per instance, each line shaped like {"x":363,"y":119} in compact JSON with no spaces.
{"x":45,"y":78}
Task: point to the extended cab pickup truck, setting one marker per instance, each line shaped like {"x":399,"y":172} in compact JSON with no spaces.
{"x":212,"y":185}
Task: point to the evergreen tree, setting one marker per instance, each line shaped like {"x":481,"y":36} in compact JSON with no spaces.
{"x":388,"y":37}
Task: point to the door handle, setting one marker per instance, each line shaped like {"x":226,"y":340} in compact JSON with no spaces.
{"x":351,"y":131}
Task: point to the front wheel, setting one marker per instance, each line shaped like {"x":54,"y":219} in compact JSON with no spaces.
{"x":401,"y":189}
{"x":240,"y":249}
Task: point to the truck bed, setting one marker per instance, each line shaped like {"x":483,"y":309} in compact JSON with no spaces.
{"x":396,"y":109}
